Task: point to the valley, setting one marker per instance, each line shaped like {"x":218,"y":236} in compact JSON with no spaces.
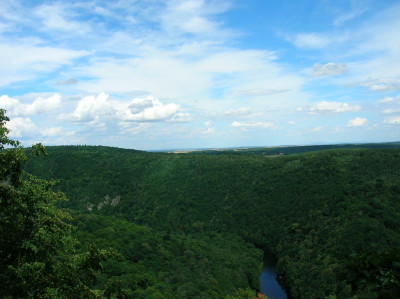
{"x":197,"y":224}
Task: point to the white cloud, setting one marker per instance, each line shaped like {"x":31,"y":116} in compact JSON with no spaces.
{"x":160,"y":74}
{"x":90,"y":110}
{"x":146,"y":109}
{"x":97,"y":110}
{"x":384,"y":87}
{"x":26,"y":60}
{"x":386,"y":100}
{"x":56,"y":132}
{"x":55,"y":17}
{"x":395,"y":120}
{"x":317,"y":129}
{"x":181,"y":117}
{"x":391,"y":110}
{"x":40,"y":105}
{"x":134,"y":130}
{"x":252,"y":125}
{"x":8,"y":103}
{"x":381,"y":84}
{"x":19,"y":126}
{"x":197,"y":24}
{"x":170,"y":74}
{"x":259,"y":92}
{"x":52,"y":132}
{"x":235,"y":61}
{"x":193,"y":16}
{"x":310,"y":40}
{"x":332,"y":107}
{"x":210,"y":129}
{"x":315,"y":40}
{"x":239,"y":111}
{"x":357,"y":122}
{"x":329,"y":69}
{"x":341,"y":19}
{"x":67,"y":81}
{"x":291,"y":122}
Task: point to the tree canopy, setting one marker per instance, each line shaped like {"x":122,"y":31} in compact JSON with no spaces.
{"x":38,"y":257}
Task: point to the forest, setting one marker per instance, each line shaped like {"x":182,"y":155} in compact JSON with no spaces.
{"x":131,"y":224}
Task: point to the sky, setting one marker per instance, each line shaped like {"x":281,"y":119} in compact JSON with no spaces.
{"x":184,"y":74}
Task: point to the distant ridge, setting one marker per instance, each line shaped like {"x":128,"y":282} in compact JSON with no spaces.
{"x":269,"y":150}
{"x":283,"y":149}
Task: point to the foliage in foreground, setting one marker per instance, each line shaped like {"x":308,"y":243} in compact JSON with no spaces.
{"x":38,"y":258}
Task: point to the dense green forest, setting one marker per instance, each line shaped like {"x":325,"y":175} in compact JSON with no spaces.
{"x":195,"y":224}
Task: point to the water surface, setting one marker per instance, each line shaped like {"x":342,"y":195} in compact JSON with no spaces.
{"x":269,"y":285}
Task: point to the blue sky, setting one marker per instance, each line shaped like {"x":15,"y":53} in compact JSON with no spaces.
{"x":156,"y":75}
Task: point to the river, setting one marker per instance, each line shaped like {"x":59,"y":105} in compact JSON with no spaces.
{"x":269,"y":285}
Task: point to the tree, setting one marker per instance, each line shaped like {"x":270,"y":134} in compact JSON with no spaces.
{"x":37,"y":253}
{"x":246,"y":294}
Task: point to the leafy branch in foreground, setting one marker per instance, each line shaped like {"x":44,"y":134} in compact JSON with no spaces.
{"x":38,"y":257}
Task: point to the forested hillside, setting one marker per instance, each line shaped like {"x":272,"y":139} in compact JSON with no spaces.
{"x":194,"y":225}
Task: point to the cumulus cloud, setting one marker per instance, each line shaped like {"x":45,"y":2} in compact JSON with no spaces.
{"x":315,"y":40}
{"x":252,"y":125}
{"x":209,"y":128}
{"x":386,"y":100}
{"x":310,"y":40}
{"x":40,"y":105}
{"x":181,"y":117}
{"x":325,"y":107}
{"x":19,"y":126}
{"x":357,"y":122}
{"x":97,"y":110}
{"x":8,"y":103}
{"x":391,"y":110}
{"x":209,"y":131}
{"x":239,"y":111}
{"x":67,"y":81}
{"x":51,"y":132}
{"x":316,"y":129}
{"x":138,"y":128}
{"x":291,"y":122}
{"x":259,"y":92}
{"x":90,"y":110}
{"x":383,"y":87}
{"x":395,"y":120}
{"x":329,"y":69}
{"x":382,"y":84}
{"x":56,"y":132}
{"x":146,"y":109}
{"x":192,"y":16}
